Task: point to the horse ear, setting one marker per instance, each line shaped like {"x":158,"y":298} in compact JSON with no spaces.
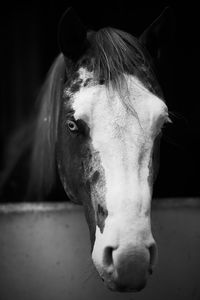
{"x":158,"y":34}
{"x":72,"y":35}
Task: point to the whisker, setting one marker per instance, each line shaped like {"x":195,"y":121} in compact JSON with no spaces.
{"x":177,"y":116}
{"x":89,"y":272}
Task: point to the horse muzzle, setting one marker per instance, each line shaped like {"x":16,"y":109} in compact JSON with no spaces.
{"x":125,"y":267}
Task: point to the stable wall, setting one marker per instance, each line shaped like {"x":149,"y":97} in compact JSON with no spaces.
{"x":45,"y":254}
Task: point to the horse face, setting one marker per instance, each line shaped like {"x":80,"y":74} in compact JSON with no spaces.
{"x":105,"y":159}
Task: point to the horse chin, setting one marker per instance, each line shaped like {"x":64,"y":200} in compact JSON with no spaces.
{"x":115,"y":286}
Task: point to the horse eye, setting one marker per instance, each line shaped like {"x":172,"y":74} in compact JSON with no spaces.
{"x":72,"y":125}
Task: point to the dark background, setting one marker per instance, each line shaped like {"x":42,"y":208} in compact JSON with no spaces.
{"x":28,"y":32}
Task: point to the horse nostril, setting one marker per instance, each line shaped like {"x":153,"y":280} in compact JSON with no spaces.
{"x":108,"y":256}
{"x":152,"y":255}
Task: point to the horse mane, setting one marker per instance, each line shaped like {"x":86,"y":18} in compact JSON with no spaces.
{"x":113,"y":54}
{"x":43,"y":160}
{"x":117,"y":54}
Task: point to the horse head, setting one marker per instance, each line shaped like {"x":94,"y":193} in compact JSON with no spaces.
{"x":101,"y":115}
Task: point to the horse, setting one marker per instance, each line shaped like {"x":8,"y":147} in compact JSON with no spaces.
{"x":100,"y":119}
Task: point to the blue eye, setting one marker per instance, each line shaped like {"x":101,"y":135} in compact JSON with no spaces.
{"x":72,"y":126}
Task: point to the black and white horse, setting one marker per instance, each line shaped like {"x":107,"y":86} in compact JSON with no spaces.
{"x":100,"y":118}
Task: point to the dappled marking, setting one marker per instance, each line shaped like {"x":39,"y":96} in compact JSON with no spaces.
{"x":102,"y":214}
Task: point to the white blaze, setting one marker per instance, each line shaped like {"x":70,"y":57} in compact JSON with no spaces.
{"x":124,"y":142}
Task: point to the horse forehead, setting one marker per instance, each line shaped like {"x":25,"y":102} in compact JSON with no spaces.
{"x":95,"y":104}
